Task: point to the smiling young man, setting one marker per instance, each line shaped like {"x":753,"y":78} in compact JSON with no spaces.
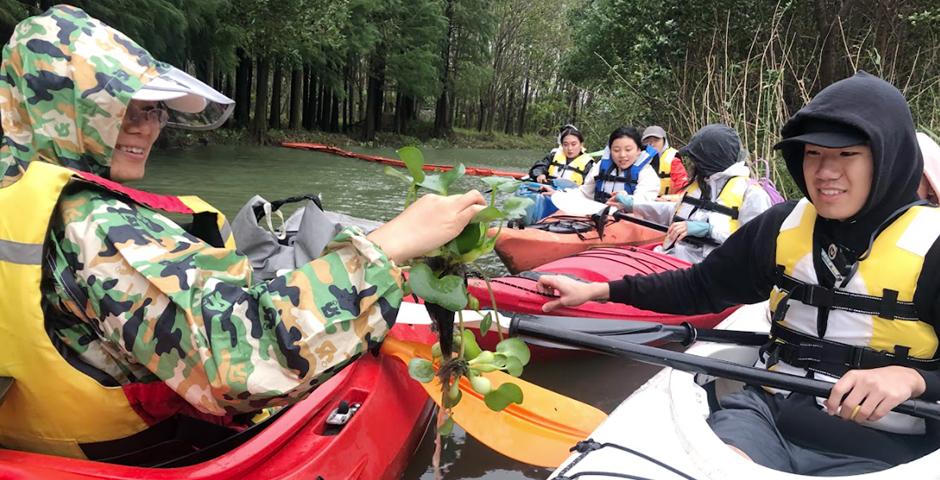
{"x":852,"y":272}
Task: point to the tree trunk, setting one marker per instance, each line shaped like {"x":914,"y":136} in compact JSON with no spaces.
{"x":276,"y":83}
{"x":347,"y":101}
{"x":375,"y":94}
{"x":310,"y":107}
{"x":520,"y":129}
{"x":507,"y":120}
{"x":334,"y":112}
{"x":399,"y":112}
{"x":573,"y":105}
{"x":323,"y":108}
{"x":243,"y":89}
{"x":360,"y":95}
{"x":828,"y":14}
{"x":259,"y":124}
{"x":296,"y":97}
{"x":442,"y":111}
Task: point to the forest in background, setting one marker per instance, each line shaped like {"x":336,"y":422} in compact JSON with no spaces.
{"x":425,"y":68}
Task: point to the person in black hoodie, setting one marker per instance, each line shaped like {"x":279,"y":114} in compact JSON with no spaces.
{"x":852,"y":272}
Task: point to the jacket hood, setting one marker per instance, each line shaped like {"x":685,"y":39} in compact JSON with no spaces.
{"x":65,"y":83}
{"x":713,"y":149}
{"x":738,"y":169}
{"x":876,"y":108}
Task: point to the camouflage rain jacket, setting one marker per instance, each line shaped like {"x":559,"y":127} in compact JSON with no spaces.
{"x":162,"y":304}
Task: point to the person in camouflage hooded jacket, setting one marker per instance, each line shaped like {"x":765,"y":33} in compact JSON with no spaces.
{"x":155,"y":302}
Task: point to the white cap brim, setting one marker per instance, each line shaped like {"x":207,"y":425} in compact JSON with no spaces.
{"x":180,"y":91}
{"x":192,"y":103}
{"x":174,"y":95}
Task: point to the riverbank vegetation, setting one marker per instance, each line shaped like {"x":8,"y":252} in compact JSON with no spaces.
{"x":439,"y":69}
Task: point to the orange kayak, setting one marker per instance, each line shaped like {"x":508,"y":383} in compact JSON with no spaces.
{"x":561,"y":235}
{"x":475,"y":171}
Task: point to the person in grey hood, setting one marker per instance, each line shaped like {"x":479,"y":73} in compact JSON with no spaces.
{"x":852,"y":272}
{"x":718,"y":199}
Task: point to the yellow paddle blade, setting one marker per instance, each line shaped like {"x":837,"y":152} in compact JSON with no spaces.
{"x":540,"y":431}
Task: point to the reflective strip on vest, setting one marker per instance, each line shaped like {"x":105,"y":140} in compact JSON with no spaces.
{"x":731,"y":196}
{"x":574,"y":170}
{"x":894,"y":263}
{"x":21,"y":253}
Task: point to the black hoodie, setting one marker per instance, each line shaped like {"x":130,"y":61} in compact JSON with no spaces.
{"x":742,"y":269}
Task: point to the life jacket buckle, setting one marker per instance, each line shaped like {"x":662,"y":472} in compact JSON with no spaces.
{"x":857,"y":358}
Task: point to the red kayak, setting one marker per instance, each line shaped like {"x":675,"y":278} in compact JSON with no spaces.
{"x":474,"y":171}
{"x":518,"y":293}
{"x":376,"y":442}
{"x":557,"y":236}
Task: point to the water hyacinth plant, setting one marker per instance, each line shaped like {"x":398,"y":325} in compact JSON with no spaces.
{"x":439,"y":278}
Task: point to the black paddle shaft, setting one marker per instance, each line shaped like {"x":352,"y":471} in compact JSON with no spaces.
{"x":635,"y":331}
{"x":664,"y":228}
{"x":696,"y":364}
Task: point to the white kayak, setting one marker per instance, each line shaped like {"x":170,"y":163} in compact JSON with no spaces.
{"x":663,"y":435}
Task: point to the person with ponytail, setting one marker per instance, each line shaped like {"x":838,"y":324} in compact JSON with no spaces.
{"x":567,"y":162}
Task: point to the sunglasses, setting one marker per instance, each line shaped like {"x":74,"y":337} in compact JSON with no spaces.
{"x":149,"y":114}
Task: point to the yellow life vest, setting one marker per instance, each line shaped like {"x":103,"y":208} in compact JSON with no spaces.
{"x":52,"y":407}
{"x":574,"y":170}
{"x":665,"y":170}
{"x":724,"y":209}
{"x":874,"y":309}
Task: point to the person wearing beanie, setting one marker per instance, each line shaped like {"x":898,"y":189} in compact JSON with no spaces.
{"x":718,"y":199}
{"x":668,"y":165}
{"x":852,"y":274}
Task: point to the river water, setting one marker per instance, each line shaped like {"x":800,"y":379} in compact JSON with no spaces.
{"x":227,"y":176}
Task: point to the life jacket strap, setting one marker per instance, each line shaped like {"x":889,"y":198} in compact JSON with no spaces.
{"x":835,"y":358}
{"x":711,"y":206}
{"x":886,"y":306}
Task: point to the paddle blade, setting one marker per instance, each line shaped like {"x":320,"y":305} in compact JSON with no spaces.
{"x":540,"y":431}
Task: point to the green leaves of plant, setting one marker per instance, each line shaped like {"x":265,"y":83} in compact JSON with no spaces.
{"x":486,"y":323}
{"x":514,"y":347}
{"x":514,"y":207}
{"x":445,"y":429}
{"x":470,"y":237}
{"x":501,"y":184}
{"x":421,"y":370}
{"x":393,"y":172}
{"x":448,"y":291}
{"x":441,"y":183}
{"x":414,"y":160}
{"x":487,"y":215}
{"x":502,"y":397}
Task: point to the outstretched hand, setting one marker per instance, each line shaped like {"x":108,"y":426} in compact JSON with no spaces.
{"x":427,"y":224}
{"x":570,"y":292}
{"x":874,"y":392}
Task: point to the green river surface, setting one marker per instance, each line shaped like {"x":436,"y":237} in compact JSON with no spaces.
{"x":227,"y":176}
